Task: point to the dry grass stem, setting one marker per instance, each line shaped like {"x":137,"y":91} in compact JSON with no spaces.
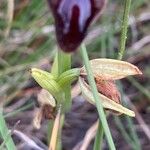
{"x":139,"y":118}
{"x":10,"y":14}
{"x":53,"y":140}
{"x":90,"y":134}
{"x":140,"y":44}
{"x":26,"y":139}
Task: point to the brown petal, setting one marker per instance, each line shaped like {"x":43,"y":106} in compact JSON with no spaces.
{"x":48,"y":112}
{"x":109,"y":89}
{"x":111,"y":69}
{"x":45,"y":98}
{"x":106,"y":102}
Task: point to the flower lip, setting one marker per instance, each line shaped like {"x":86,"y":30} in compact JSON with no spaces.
{"x":72,"y":19}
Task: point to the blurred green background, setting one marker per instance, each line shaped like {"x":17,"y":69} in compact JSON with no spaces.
{"x":28,"y":40}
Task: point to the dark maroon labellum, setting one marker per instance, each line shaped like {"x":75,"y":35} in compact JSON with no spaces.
{"x":72,"y":18}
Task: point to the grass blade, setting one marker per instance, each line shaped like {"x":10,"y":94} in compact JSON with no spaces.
{"x":96,"y":97}
{"x":5,"y":133}
{"x":124,"y":28}
{"x":99,"y":137}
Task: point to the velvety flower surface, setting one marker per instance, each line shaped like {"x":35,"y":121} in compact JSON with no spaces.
{"x":72,"y":18}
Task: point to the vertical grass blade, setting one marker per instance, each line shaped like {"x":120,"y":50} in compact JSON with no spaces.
{"x":99,"y":137}
{"x":124,"y":28}
{"x":96,"y":97}
{"x":132,"y":132}
{"x":5,"y":133}
{"x":124,"y":133}
{"x":64,"y":64}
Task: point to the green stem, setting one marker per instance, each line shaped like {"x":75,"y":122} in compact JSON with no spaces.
{"x":5,"y":133}
{"x":139,"y":87}
{"x":96,"y":97}
{"x":133,"y":133}
{"x":99,"y":137}
{"x":135,"y":144}
{"x":64,"y":64}
{"x":64,"y":61}
{"x":49,"y":130}
{"x":124,"y":28}
{"x":59,"y":142}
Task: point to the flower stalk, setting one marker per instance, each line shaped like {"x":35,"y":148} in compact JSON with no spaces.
{"x":63,"y":62}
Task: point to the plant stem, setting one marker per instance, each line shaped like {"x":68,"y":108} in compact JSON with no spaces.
{"x":49,"y":130}
{"x":5,"y":133}
{"x":99,"y":137}
{"x":96,"y":97}
{"x":135,"y":144}
{"x":64,"y":61}
{"x":133,"y":133}
{"x":59,"y":142}
{"x":124,"y":28}
{"x":139,"y":87}
{"x":10,"y":14}
{"x":64,"y":64}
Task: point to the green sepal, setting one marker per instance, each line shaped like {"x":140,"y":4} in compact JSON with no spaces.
{"x":68,"y":77}
{"x":47,"y":81}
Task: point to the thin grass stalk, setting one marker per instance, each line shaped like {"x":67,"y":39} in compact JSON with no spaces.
{"x":124,"y":28}
{"x":64,"y":64}
{"x":103,"y":46}
{"x":133,"y":133}
{"x":15,"y":112}
{"x":99,"y":137}
{"x":139,"y":87}
{"x":96,"y":97}
{"x":49,"y":130}
{"x":55,"y":131}
{"x":130,"y":124}
{"x":124,"y":133}
{"x":10,"y":13}
{"x":59,"y":143}
{"x":134,"y":144}
{"x":5,"y":133}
